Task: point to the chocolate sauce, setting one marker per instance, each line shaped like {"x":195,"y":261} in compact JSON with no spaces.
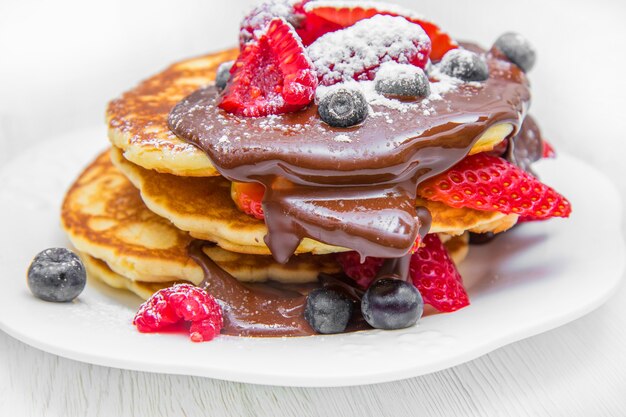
{"x":251,"y":310}
{"x":527,"y":146}
{"x":352,"y":187}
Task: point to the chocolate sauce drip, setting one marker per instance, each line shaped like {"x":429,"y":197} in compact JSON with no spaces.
{"x":527,"y":146}
{"x":352,"y":187}
{"x":259,"y":310}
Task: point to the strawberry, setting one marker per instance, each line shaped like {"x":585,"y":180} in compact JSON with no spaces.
{"x":487,"y":182}
{"x":436,"y":277}
{"x":248,"y":197}
{"x":272,"y":74}
{"x":323,"y":15}
{"x":432,"y":272}
{"x":357,"y":52}
{"x":548,"y":150}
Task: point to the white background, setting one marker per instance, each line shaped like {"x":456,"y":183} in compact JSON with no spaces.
{"x":60,"y":62}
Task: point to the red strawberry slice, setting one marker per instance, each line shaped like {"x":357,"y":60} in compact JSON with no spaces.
{"x":344,"y":16}
{"x":272,"y":75}
{"x":248,"y":197}
{"x":487,"y":182}
{"x":432,"y":271}
{"x":548,"y":150}
{"x":357,"y":52}
{"x":434,"y":274}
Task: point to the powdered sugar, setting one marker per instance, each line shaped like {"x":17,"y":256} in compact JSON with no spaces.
{"x":357,"y":51}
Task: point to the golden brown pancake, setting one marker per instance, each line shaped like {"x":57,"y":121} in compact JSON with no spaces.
{"x":105,"y":218}
{"x":138,"y":119}
{"x":204,"y":208}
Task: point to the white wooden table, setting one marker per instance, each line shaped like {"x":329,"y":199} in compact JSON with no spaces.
{"x":61,"y":61}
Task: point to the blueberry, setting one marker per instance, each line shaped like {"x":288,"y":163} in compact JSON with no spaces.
{"x":328,"y":311}
{"x":401,"y":80}
{"x":392,"y":304}
{"x":517,"y":49}
{"x":464,"y":65}
{"x":343,"y":107}
{"x":56,"y":274}
{"x":481,"y":238}
{"x":223,"y":75}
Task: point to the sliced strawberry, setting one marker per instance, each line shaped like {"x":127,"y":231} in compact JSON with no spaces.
{"x":432,"y":271}
{"x":357,"y":52}
{"x":548,"y":150}
{"x":487,"y":182}
{"x":272,"y":75}
{"x":248,"y":197}
{"x":343,"y":16}
{"x":434,"y":274}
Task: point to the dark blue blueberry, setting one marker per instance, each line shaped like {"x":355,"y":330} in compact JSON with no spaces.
{"x":223,"y":75}
{"x":399,"y":80}
{"x":56,"y":274}
{"x":464,"y":65}
{"x":343,"y":107}
{"x":517,"y":49}
{"x":328,"y":311}
{"x":392,"y":304}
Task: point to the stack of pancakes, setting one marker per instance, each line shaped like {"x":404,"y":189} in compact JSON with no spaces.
{"x":132,"y":213}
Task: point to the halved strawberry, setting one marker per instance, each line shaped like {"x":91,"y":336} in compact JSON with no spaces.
{"x":548,"y":150}
{"x":434,"y":274}
{"x":248,"y":197}
{"x":487,"y":182}
{"x":357,"y":52}
{"x":432,"y":271}
{"x":272,"y":75}
{"x":343,"y":16}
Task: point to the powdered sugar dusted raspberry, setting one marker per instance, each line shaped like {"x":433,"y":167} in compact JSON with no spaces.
{"x":258,"y":18}
{"x":357,"y":51}
{"x":177,"y":303}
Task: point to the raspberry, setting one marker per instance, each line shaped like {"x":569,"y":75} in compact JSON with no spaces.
{"x":322,"y":17}
{"x":272,"y":75}
{"x":264,"y":13}
{"x":432,"y":271}
{"x":357,"y":52}
{"x":181,"y":302}
{"x":487,"y":182}
{"x":362,"y":273}
{"x":248,"y":197}
{"x":548,"y":150}
{"x":436,"y":277}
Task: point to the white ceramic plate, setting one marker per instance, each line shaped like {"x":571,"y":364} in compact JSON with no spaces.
{"x":530,"y":280}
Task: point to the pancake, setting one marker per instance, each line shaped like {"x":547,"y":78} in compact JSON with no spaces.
{"x":204,"y":208}
{"x":138,"y":119}
{"x":105,"y":218}
{"x":457,"y":247}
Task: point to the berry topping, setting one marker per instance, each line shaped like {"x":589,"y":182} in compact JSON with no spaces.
{"x":223,"y":75}
{"x":248,"y":197}
{"x":56,"y":274}
{"x":464,"y":65}
{"x":516,"y":49}
{"x":328,"y":311}
{"x":434,"y":274}
{"x":343,"y":107}
{"x":357,"y":51}
{"x":548,"y":150}
{"x":392,"y":304}
{"x":527,"y":146}
{"x":486,"y":182}
{"x":401,"y":80}
{"x":362,"y":273}
{"x":272,"y":75}
{"x":325,"y":15}
{"x":264,"y":13}
{"x":181,"y":302}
